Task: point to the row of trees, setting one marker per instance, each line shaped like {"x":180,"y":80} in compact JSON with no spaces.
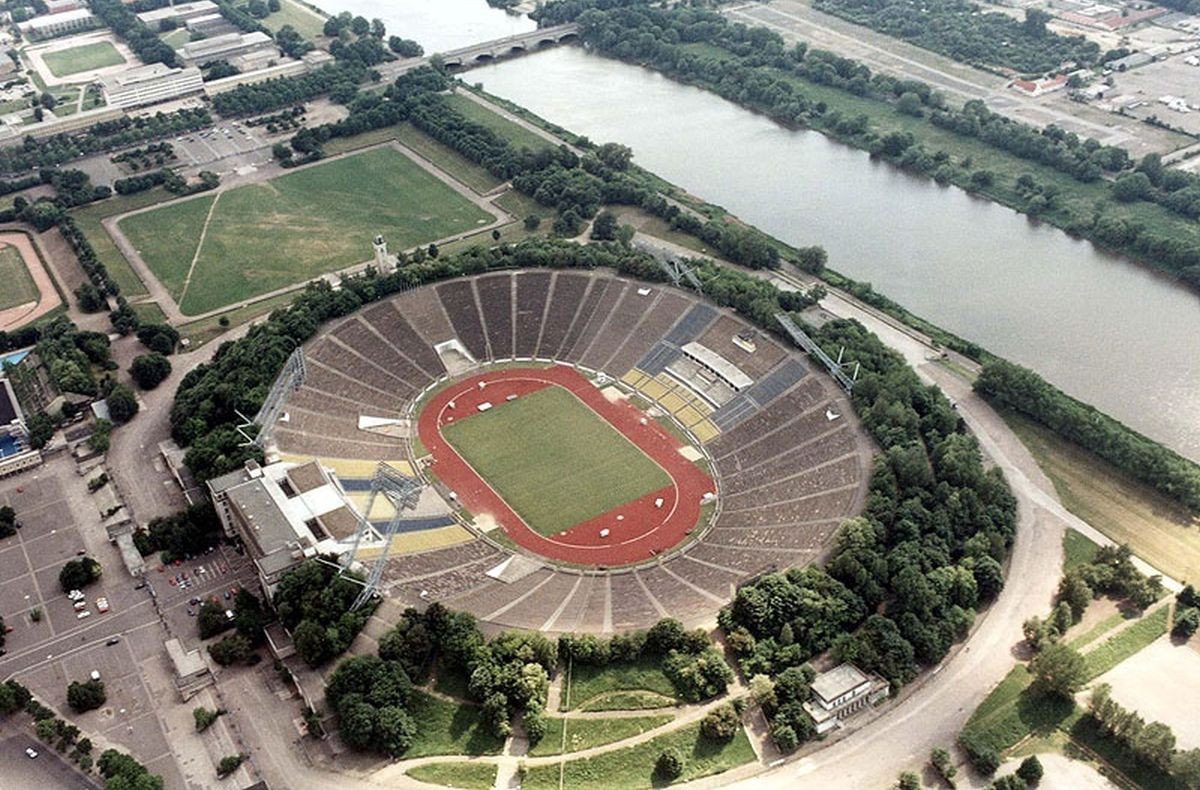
{"x":340,"y":80}
{"x":144,"y":42}
{"x":1011,"y":386}
{"x":1152,"y":744}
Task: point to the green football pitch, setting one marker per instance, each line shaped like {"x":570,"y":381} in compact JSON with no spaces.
{"x":257,"y":238}
{"x":96,"y":55}
{"x":553,"y":460}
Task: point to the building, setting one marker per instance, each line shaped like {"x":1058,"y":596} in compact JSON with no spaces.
{"x":150,"y":85}
{"x":60,"y":24}
{"x":225,"y":47}
{"x":210,"y":25}
{"x":840,"y":693}
{"x":312,"y":61}
{"x":1041,"y":87}
{"x":284,"y":514}
{"x":62,"y":6}
{"x":180,"y":12}
{"x":191,"y":674}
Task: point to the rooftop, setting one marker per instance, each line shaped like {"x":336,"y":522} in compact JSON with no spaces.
{"x":138,"y":75}
{"x":185,"y":663}
{"x":723,"y":367}
{"x":840,"y":680}
{"x":48,"y":20}
{"x":177,"y":10}
{"x":218,"y":44}
{"x":306,"y":477}
{"x":263,"y":516}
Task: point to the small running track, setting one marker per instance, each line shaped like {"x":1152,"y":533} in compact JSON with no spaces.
{"x":643,"y":529}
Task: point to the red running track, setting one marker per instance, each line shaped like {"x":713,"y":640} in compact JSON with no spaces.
{"x":637,"y":530}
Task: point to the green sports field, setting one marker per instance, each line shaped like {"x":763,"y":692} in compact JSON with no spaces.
{"x":19,"y":287}
{"x":83,"y":58}
{"x":553,"y":460}
{"x":261,"y":237}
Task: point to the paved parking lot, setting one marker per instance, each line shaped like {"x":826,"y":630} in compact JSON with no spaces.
{"x":47,"y":771}
{"x":214,"y":575}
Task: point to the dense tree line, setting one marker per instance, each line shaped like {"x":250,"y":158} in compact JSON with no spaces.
{"x":187,"y":533}
{"x":144,"y":42}
{"x":69,"y":355}
{"x":758,"y":70}
{"x":340,"y":81}
{"x":103,"y":136}
{"x":960,"y":30}
{"x":1013,"y":387}
{"x":169,"y":180}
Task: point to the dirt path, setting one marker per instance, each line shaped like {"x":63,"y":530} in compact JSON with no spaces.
{"x":48,"y":297}
{"x":187,"y":280}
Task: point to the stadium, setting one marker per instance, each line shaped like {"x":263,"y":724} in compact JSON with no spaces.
{"x":595,"y":452}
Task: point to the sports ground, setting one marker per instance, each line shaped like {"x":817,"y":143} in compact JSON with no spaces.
{"x":564,"y":470}
{"x":217,"y":249}
{"x":87,"y":57}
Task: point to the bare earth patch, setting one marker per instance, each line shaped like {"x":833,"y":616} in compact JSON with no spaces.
{"x":1162,"y":683}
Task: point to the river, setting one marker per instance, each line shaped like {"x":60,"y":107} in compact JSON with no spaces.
{"x":437,"y":25}
{"x":1107,"y":331}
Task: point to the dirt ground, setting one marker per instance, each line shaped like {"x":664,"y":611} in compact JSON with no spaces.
{"x":1162,"y":683}
{"x":48,"y":298}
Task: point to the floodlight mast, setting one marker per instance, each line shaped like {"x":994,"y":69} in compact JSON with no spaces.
{"x":836,"y":368}
{"x":290,"y":379}
{"x":402,"y":493}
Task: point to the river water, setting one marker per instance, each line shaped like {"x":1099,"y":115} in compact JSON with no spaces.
{"x":437,"y":25}
{"x":1105,"y":330}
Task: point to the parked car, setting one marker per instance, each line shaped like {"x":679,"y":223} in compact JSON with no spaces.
{"x":116,"y":640}
{"x":80,"y":606}
{"x":95,"y":674}
{"x":83,"y":615}
{"x":31,"y":752}
{"x":102,"y":605}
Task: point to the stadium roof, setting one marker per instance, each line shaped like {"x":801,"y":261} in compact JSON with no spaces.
{"x":728,"y":371}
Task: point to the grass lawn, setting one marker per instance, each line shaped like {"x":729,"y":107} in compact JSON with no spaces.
{"x":554,"y":460}
{"x":472,"y":776}
{"x":586,"y":733}
{"x":1126,"y":642}
{"x":176,"y":38}
{"x":587,"y":683}
{"x":1098,"y":630}
{"x":150,"y":313}
{"x":307,"y":22}
{"x":633,"y":767}
{"x":205,"y":329}
{"x":446,"y":728}
{"x":1157,"y":529}
{"x":474,"y":176}
{"x":514,"y":133}
{"x":262,"y":237}
{"x":96,"y":55}
{"x":1077,"y":549}
{"x":19,"y":287}
{"x":1012,"y":711}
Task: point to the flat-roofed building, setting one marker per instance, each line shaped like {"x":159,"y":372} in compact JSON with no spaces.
{"x":150,"y":85}
{"x":15,"y":453}
{"x":60,"y":24}
{"x":210,"y":25}
{"x":62,"y":6}
{"x":180,"y":12}
{"x":285,"y":513}
{"x":840,"y":693}
{"x":224,"y":47}
{"x":190,"y":672}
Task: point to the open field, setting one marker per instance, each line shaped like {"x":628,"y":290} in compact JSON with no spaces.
{"x":554,"y":460}
{"x":87,"y":57}
{"x":1158,"y":530}
{"x":638,"y":684}
{"x":89,"y":218}
{"x":633,"y":767}
{"x":307,"y":22}
{"x":585,"y":733}
{"x":19,"y":287}
{"x":1162,"y":683}
{"x":260,"y":237}
{"x":469,"y":776}
{"x":513,"y":133}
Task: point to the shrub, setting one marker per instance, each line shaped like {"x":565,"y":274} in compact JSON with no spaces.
{"x":784,"y":736}
{"x":78,"y":573}
{"x":150,"y":370}
{"x":204,"y":717}
{"x":669,"y":764}
{"x":229,"y":764}
{"x":1030,"y":770}
{"x":86,"y":696}
{"x":535,"y":726}
{"x":721,"y":723}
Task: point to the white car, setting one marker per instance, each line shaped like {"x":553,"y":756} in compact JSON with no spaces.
{"x":101,"y":605}
{"x":80,"y":606}
{"x":83,"y":615}
{"x":30,"y":752}
{"x":76,"y":595}
{"x":95,"y":674}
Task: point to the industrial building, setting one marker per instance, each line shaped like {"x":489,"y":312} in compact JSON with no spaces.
{"x":150,"y":85}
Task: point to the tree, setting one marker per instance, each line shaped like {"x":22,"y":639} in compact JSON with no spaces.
{"x":909,"y":781}
{"x":604,"y":227}
{"x":1186,"y":623}
{"x":160,"y":338}
{"x":1030,"y":770}
{"x":1035,"y":22}
{"x":1155,"y":744}
{"x":721,"y":723}
{"x":1131,"y":187}
{"x":86,"y":696}
{"x":312,"y":643}
{"x":204,"y":717}
{"x":1059,"y":669}
{"x":669,"y":764}
{"x":360,"y":26}
{"x":394,"y":729}
{"x":230,"y":650}
{"x":1185,"y":766}
{"x":940,"y":759}
{"x":122,"y":404}
{"x":909,"y":104}
{"x":211,"y":620}
{"x":149,"y":370}
{"x":229,"y":764}
{"x":78,"y":573}
{"x":532,"y":221}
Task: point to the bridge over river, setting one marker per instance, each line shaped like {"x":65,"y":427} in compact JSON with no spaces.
{"x":489,"y":51}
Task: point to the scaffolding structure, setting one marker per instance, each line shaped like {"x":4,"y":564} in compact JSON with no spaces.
{"x":402,"y":493}
{"x":679,"y":271}
{"x":837,"y":368}
{"x":290,"y":379}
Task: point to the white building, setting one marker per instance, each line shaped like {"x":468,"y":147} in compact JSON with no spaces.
{"x":62,"y":6}
{"x":224,"y":47}
{"x":51,"y":25}
{"x":150,"y":85}
{"x":285,"y":513}
{"x":840,"y":693}
{"x":15,"y":454}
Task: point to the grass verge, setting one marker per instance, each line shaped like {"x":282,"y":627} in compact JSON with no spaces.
{"x":470,"y":776}
{"x":446,"y":728}
{"x":19,"y":287}
{"x":1125,"y":643}
{"x":627,"y":700}
{"x":587,"y":683}
{"x":586,"y":733}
